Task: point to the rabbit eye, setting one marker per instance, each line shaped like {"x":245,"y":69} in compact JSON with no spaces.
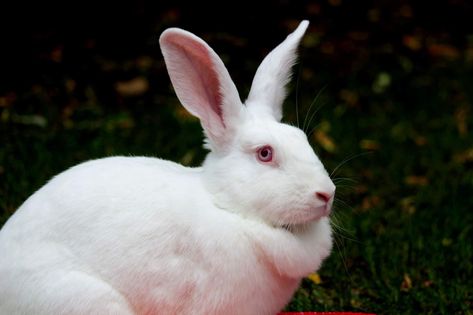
{"x":265,"y":154}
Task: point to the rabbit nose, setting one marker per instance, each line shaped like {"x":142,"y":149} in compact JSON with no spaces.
{"x":324,"y":196}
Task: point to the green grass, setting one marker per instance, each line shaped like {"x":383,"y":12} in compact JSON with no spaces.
{"x":404,"y":210}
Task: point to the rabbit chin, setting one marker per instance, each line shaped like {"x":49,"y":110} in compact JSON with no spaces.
{"x":302,"y":221}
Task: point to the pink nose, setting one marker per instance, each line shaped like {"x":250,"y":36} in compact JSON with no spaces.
{"x":324,"y":196}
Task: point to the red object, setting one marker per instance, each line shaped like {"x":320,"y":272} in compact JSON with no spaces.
{"x":324,"y":313}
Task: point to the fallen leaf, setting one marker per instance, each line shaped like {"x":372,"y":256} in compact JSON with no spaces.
{"x":420,"y":141}
{"x":335,"y":3}
{"x":461,"y":118}
{"x":370,"y":202}
{"x":57,"y":54}
{"x":464,"y":157}
{"x":315,"y":278}
{"x":412,"y":42}
{"x":358,"y":36}
{"x":325,"y":141}
{"x":374,"y":15}
{"x":447,"y":241}
{"x":406,"y":284}
{"x":349,"y":97}
{"x":3,"y":102}
{"x":8,"y":99}
{"x":469,"y":54}
{"x":408,"y":204}
{"x":313,"y":8}
{"x":144,"y":62}
{"x":414,"y":180}
{"x":382,"y":82}
{"x":368,"y":144}
{"x":356,"y":303}
{"x":133,"y":87}
{"x":406,"y":11}
{"x":443,"y":51}
{"x":327,"y":48}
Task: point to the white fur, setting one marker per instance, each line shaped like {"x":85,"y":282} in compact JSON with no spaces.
{"x":147,"y":236}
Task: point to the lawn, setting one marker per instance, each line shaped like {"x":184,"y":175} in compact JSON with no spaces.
{"x":385,"y":92}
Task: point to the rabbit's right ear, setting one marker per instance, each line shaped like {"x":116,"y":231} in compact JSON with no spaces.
{"x":202,"y":84}
{"x":268,"y":88}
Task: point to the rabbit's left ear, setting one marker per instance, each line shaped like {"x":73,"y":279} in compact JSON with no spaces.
{"x":202,"y":84}
{"x":268,"y":88}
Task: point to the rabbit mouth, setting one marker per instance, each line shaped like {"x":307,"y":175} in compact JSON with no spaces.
{"x":300,"y":226}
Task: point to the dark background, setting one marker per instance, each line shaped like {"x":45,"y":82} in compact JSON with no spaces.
{"x":393,"y":119}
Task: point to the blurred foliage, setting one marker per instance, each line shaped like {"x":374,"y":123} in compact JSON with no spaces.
{"x":384,"y":89}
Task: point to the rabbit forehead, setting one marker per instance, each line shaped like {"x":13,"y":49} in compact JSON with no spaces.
{"x":287,"y":140}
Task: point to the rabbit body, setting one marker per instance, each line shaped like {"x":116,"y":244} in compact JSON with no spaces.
{"x":136,"y":235}
{"x":168,"y":253}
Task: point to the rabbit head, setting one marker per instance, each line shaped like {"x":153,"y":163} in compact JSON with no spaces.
{"x":257,"y":166}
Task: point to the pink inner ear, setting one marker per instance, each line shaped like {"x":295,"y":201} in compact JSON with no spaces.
{"x":205,"y":82}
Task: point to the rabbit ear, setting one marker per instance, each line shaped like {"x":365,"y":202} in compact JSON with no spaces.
{"x":202,"y":84}
{"x":268,"y":87}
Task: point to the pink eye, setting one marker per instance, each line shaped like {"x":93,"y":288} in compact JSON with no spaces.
{"x":265,"y":154}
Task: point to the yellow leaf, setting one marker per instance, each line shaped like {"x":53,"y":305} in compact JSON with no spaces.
{"x":315,"y":278}
{"x":133,"y":87}
{"x":416,"y":180}
{"x":406,"y":284}
{"x":325,"y":141}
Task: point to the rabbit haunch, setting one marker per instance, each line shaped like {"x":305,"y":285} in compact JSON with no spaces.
{"x":146,"y":236}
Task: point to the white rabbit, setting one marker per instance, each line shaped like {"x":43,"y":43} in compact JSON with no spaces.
{"x":136,"y":235}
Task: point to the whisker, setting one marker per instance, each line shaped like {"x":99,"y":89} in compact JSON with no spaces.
{"x":344,"y":179}
{"x":313,"y":116}
{"x":342,"y":256}
{"x":339,"y":202}
{"x":310,"y":107}
{"x":339,"y":187}
{"x":341,"y":233}
{"x":347,"y":179}
{"x":348,"y":159}
{"x":309,"y":134}
{"x":344,"y":233}
{"x":342,"y":190}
